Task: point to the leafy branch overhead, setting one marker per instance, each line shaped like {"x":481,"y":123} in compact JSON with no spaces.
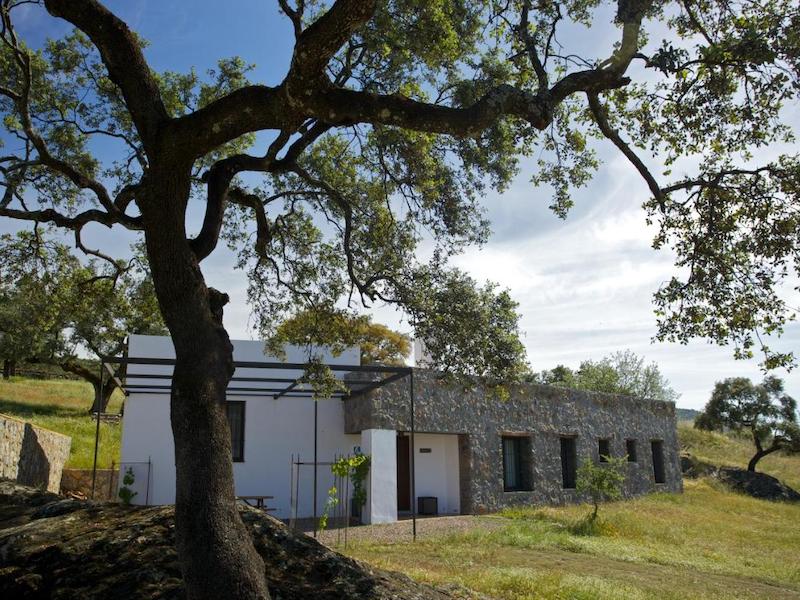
{"x":393,"y":120}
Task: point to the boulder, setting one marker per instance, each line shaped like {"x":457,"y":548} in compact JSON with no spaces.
{"x":56,"y":548}
{"x":757,"y":485}
{"x":693,"y":467}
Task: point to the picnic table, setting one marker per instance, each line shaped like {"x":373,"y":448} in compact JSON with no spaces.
{"x":260,"y":502}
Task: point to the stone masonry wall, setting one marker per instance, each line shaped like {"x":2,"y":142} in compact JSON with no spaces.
{"x":541,"y":413}
{"x":31,"y":455}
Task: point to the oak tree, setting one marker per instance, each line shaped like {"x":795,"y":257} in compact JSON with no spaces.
{"x":339,"y":329}
{"x":57,"y":309}
{"x":763,"y":411}
{"x":392,"y":120}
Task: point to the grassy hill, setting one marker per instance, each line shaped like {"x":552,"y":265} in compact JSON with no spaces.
{"x":63,"y":406}
{"x":736,"y":451}
{"x":705,"y":543}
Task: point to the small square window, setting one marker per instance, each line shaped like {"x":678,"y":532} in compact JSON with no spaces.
{"x":604,"y":450}
{"x":630,"y":450}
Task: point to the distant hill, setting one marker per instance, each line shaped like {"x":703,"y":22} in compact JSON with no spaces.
{"x":686,"y":414}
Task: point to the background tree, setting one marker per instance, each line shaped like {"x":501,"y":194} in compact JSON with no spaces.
{"x":33,"y":301}
{"x":618,"y":373}
{"x":339,"y":330}
{"x":55,"y":309}
{"x":764,"y":411}
{"x":391,"y":121}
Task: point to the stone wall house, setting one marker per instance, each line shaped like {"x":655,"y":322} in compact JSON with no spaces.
{"x":518,"y":450}
{"x":472,"y":451}
{"x":32,"y":455}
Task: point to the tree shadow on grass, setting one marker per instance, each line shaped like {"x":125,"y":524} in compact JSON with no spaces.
{"x":22,"y":410}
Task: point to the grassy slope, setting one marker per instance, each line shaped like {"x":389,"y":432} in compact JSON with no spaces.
{"x":63,"y":405}
{"x":706,"y":543}
{"x":736,"y":451}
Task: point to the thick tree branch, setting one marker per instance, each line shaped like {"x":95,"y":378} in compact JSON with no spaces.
{"x":322,"y":39}
{"x":121,"y":53}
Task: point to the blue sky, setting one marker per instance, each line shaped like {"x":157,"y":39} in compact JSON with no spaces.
{"x":584,"y":285}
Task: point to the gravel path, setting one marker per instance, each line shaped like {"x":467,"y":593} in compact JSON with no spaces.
{"x":401,"y":531}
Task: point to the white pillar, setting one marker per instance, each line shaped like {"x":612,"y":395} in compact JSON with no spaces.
{"x":381,"y":445}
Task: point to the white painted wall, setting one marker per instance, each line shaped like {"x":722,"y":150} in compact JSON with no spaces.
{"x":274,"y":429}
{"x":381,"y":445}
{"x":437,"y":471}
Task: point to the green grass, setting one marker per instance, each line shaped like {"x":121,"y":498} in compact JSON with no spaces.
{"x":706,"y":543}
{"x":735,"y":451}
{"x":63,"y":406}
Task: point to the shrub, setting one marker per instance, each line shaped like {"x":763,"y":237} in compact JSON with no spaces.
{"x":601,"y":481}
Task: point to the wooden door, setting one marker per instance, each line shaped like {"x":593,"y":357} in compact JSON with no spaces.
{"x":403,"y":473}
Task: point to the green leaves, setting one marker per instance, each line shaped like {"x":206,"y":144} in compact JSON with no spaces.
{"x":601,"y":481}
{"x":763,"y":410}
{"x":618,"y":373}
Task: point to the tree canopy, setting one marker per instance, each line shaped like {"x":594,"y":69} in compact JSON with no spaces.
{"x":618,"y":373}
{"x":391,"y":122}
{"x":338,"y":330}
{"x":763,"y":410}
{"x":54,"y":308}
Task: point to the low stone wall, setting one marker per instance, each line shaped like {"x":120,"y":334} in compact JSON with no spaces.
{"x":541,"y":415}
{"x":79,"y":482}
{"x":32,"y":455}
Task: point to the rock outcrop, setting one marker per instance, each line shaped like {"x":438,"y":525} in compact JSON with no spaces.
{"x":757,"y":485}
{"x":51,"y":547}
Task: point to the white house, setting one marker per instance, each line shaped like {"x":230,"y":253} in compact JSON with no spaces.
{"x":269,"y":433}
{"x":456,"y":449}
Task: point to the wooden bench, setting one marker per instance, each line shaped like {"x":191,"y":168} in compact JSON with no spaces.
{"x":260,"y":502}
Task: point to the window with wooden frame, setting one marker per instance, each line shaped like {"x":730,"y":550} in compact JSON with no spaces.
{"x":517,"y":474}
{"x":235,"y":412}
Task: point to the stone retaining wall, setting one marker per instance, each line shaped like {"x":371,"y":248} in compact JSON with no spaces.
{"x":32,"y":455}
{"x":542,"y":415}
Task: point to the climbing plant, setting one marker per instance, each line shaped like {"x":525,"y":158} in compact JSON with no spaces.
{"x":356,"y":468}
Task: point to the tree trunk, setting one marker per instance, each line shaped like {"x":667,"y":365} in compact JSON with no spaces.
{"x":108,"y":386}
{"x":218,"y":559}
{"x":101,"y":399}
{"x":6,"y":369}
{"x":751,"y":466}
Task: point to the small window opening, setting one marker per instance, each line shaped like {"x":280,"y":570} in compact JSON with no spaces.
{"x":658,"y":461}
{"x":235,"y":412}
{"x":630,"y":450}
{"x":569,"y":459}
{"x":604,"y":450}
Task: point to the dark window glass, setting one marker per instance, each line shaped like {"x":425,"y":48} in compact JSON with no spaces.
{"x":630,"y":450}
{"x":568,"y":462}
{"x":658,"y":461}
{"x":604,"y":449}
{"x":235,"y":411}
{"x":512,"y":463}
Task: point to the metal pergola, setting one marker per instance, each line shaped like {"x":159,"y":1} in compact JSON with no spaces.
{"x":263,"y":383}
